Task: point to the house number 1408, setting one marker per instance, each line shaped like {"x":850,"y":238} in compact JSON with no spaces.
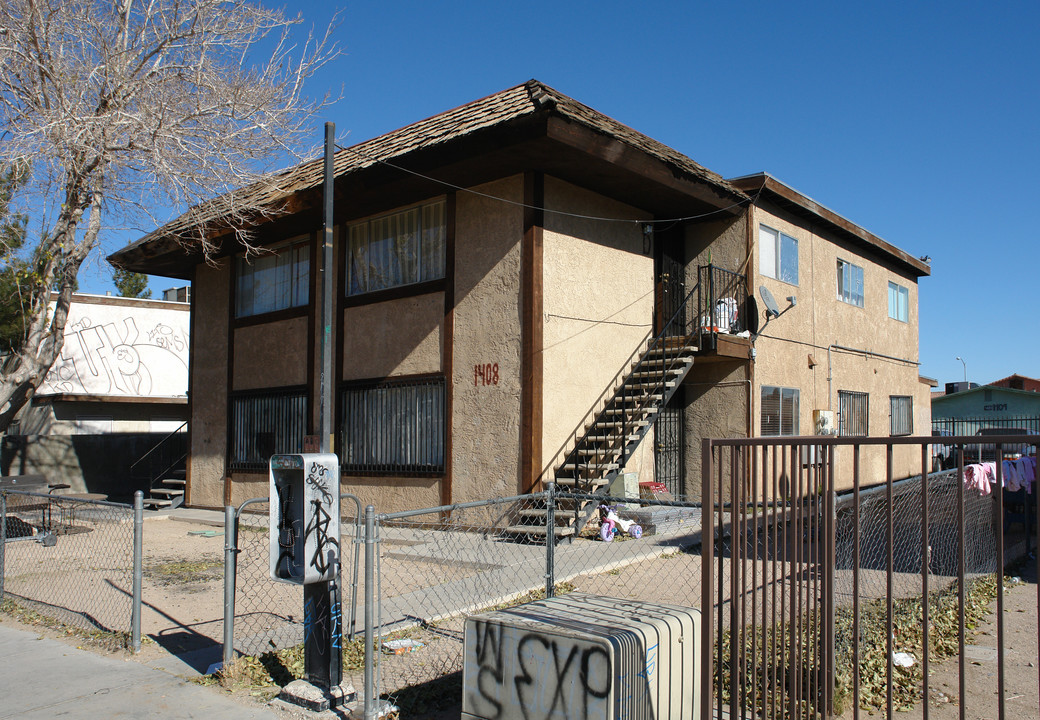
{"x":486,"y":374}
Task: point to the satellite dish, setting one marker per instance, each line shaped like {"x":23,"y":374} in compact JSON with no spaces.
{"x":772,"y":309}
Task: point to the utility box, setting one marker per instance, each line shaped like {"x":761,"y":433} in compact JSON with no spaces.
{"x":584,"y":656}
{"x":626,"y":485}
{"x":304,"y":517}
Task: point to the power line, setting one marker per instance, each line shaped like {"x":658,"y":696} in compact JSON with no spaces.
{"x":563,"y":213}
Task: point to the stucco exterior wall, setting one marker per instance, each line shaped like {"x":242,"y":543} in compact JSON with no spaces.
{"x":598,"y":304}
{"x":271,"y":355}
{"x":210,"y":290}
{"x":396,"y":337}
{"x":823,"y":345}
{"x":485,"y":424}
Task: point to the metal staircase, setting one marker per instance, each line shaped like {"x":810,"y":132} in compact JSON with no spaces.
{"x":616,"y":429}
{"x":164,"y":467}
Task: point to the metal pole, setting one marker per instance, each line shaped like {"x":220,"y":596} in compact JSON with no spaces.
{"x":230,"y":572}
{"x":3,"y":540}
{"x":135,"y":613}
{"x":370,"y":691}
{"x":550,"y":539}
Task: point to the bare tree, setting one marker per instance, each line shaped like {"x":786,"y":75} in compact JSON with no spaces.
{"x":119,"y":109}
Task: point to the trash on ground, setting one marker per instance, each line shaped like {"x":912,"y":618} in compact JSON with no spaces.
{"x":400,"y":647}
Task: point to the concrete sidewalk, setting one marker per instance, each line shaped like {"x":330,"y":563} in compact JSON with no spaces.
{"x":45,"y":678}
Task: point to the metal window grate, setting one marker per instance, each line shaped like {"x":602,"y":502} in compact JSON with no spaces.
{"x":853,"y":414}
{"x":394,"y":427}
{"x":265,"y":423}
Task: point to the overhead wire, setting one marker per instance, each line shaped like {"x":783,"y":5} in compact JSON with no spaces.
{"x":579,"y":216}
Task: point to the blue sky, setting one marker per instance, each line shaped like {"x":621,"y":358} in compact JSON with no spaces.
{"x":915,"y":120}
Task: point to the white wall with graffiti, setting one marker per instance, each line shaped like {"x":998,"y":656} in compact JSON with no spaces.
{"x":123,"y":368}
{"x":121,"y":347}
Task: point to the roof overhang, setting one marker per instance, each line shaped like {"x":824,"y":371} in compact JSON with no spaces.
{"x":527,"y":128}
{"x":767,"y":187}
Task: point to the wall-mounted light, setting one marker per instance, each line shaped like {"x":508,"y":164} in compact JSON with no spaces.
{"x":648,"y":238}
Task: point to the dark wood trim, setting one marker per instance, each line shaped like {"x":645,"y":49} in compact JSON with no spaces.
{"x":269,"y":317}
{"x":312,"y":332}
{"x":796,"y":201}
{"x":448,"y":347}
{"x":339,"y":330}
{"x":191,"y":384}
{"x":394,"y":293}
{"x":230,"y":386}
{"x":374,"y":382}
{"x":531,"y":332}
{"x":622,"y":155}
{"x":269,"y":391}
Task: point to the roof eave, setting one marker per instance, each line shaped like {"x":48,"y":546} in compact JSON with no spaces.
{"x":760,"y":184}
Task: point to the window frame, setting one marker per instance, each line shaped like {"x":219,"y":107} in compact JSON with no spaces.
{"x":904,"y":414}
{"x":266,"y":401}
{"x":771,"y":262}
{"x":901,"y":293}
{"x":852,"y":401}
{"x":428,"y":440}
{"x":299,"y":284}
{"x":792,"y":398}
{"x":846,"y":283}
{"x":419,"y":257}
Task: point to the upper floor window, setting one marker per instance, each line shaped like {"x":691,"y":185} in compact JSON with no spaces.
{"x":902,"y":407}
{"x":777,"y":255}
{"x":850,"y":283}
{"x":276,"y":280}
{"x":898,"y":302}
{"x":402,"y":248}
{"x":779,"y":411}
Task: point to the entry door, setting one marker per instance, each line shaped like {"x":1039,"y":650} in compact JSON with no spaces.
{"x":671,"y":283}
{"x":669,"y":465}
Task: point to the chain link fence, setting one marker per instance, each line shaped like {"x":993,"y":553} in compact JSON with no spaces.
{"x":73,"y":560}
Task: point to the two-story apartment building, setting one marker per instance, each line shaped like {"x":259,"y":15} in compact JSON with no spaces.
{"x":528,"y":290}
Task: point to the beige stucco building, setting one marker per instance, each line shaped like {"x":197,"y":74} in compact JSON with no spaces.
{"x":507,"y":278}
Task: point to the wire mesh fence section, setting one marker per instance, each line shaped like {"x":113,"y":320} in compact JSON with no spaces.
{"x":870,"y":523}
{"x":438,"y":567}
{"x":269,"y":615}
{"x":70,"y":559}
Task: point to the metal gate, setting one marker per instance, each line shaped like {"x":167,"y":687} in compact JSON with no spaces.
{"x":669,"y":460}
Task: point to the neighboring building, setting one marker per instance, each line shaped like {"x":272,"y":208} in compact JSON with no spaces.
{"x":118,"y":387}
{"x":1018,"y":382}
{"x":966,"y":411}
{"x":498,"y":270}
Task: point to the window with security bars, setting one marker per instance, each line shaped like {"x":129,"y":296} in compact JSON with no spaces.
{"x":779,"y":411}
{"x":393,"y":427}
{"x":902,"y":407}
{"x":266,"y":423}
{"x":853,"y":414}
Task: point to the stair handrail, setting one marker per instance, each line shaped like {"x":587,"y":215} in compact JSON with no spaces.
{"x":642,"y":349}
{"x":158,"y":445}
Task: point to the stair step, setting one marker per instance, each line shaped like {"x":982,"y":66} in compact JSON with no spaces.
{"x":539,"y":530}
{"x":594,"y":467}
{"x":619,"y":423}
{"x":181,"y":482}
{"x":158,"y":502}
{"x":571,"y":482}
{"x":563,"y":517}
{"x":611,"y":437}
{"x":168,"y":492}
{"x":595,"y":452}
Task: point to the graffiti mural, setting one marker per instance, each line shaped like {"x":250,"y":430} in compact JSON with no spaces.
{"x":139,"y":351}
